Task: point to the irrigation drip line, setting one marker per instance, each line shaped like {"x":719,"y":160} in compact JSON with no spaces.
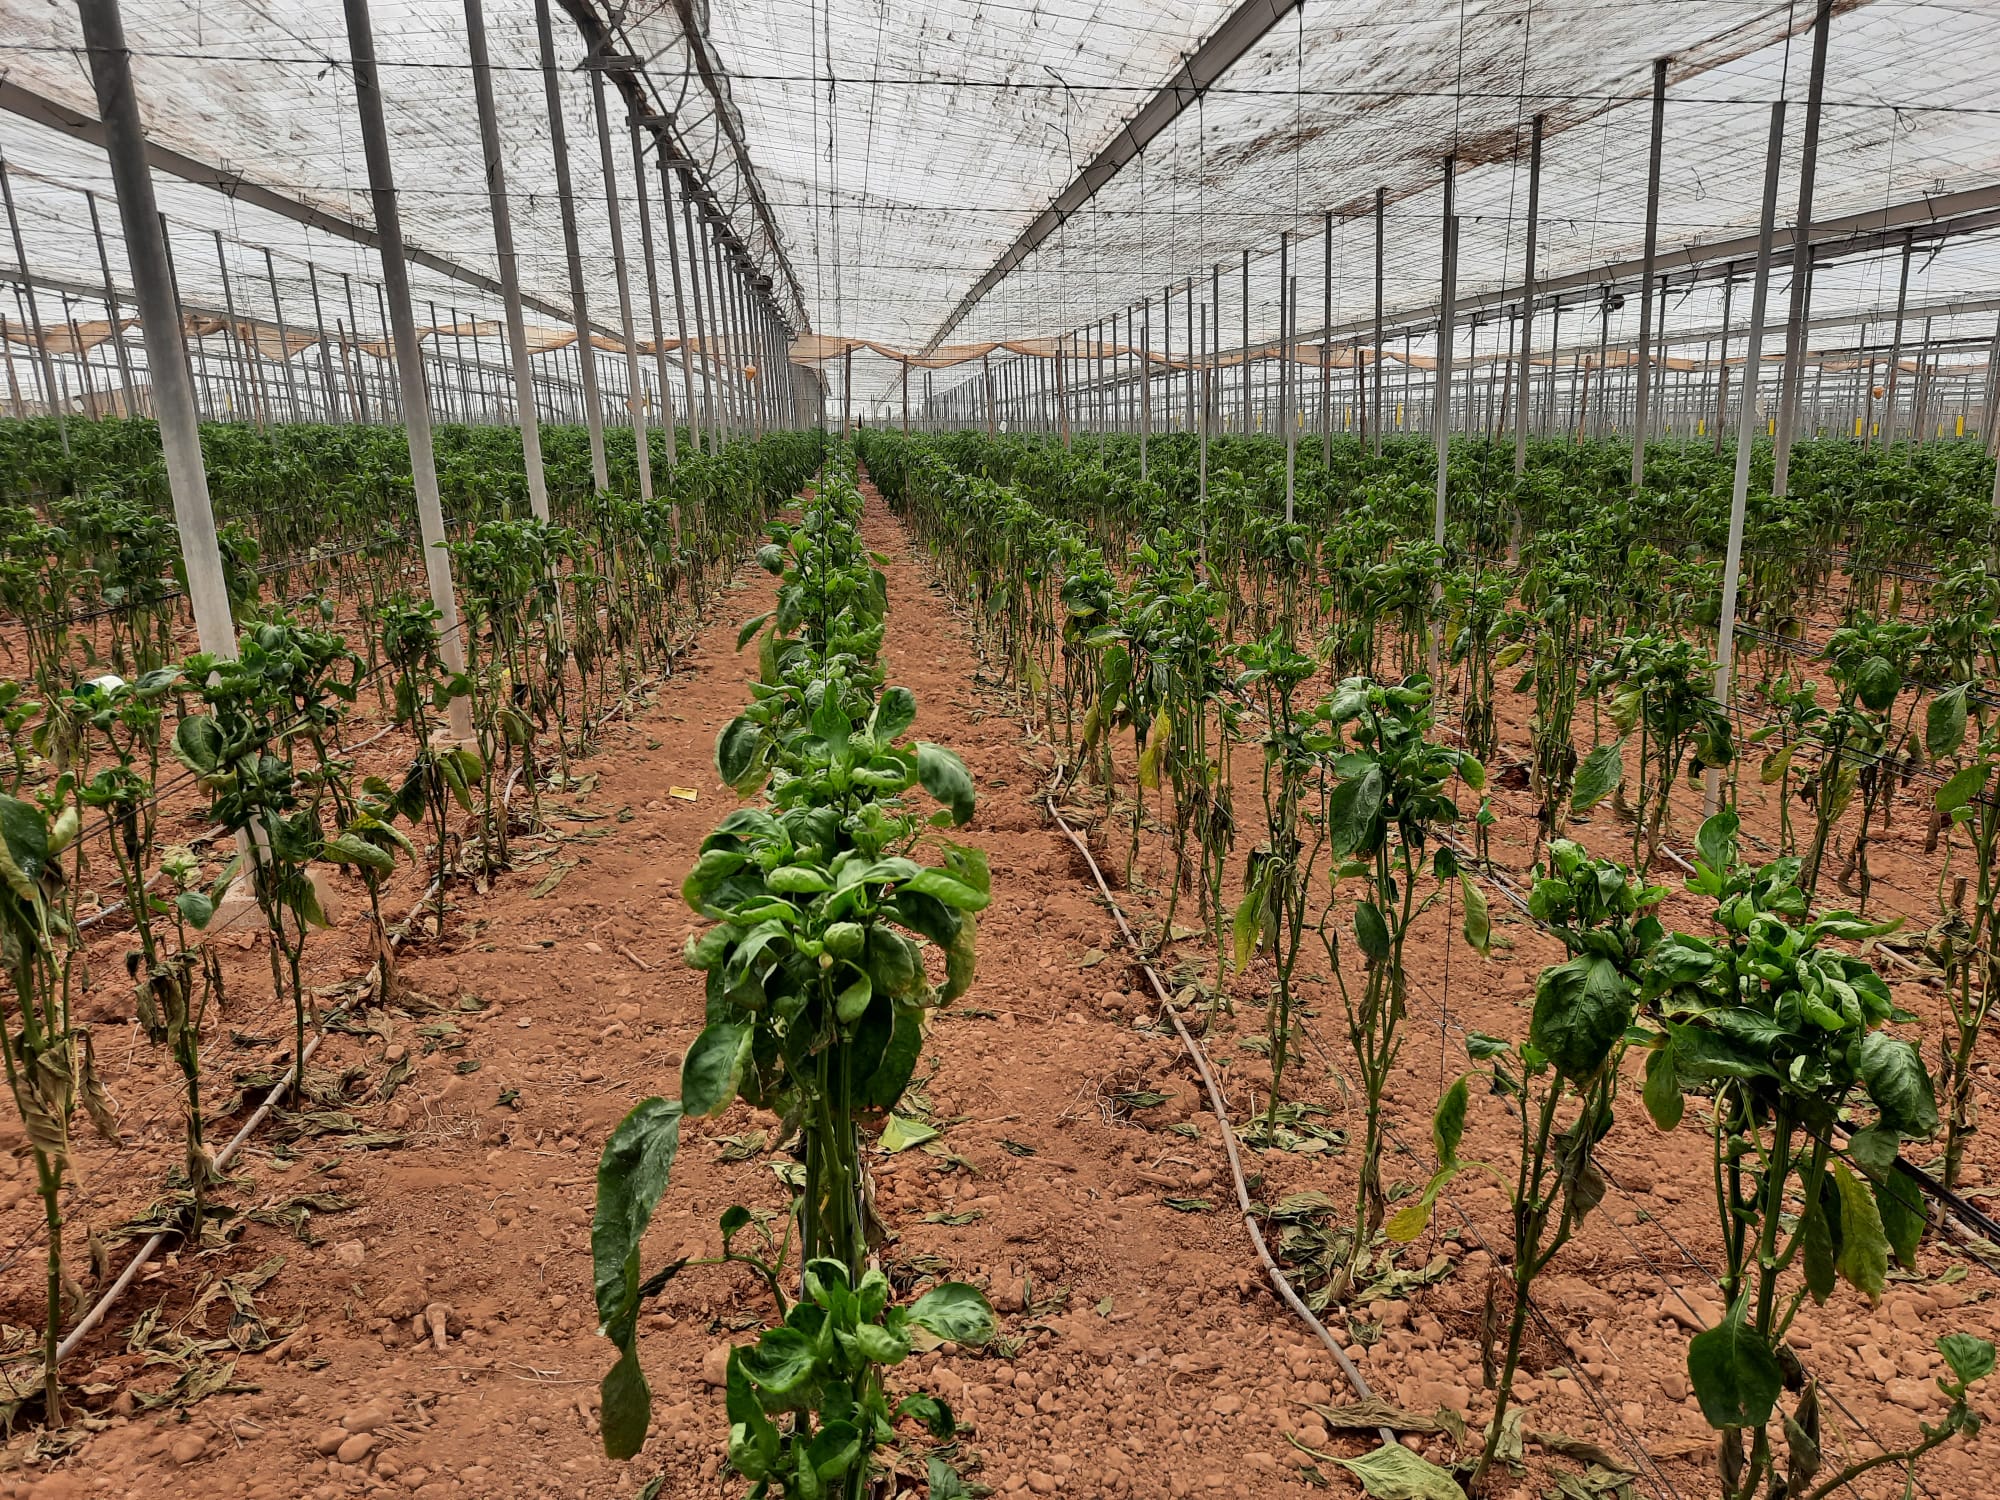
{"x":1221,"y":1113}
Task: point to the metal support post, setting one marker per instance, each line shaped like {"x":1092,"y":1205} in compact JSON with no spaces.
{"x":1642,"y":388}
{"x":1447,"y":295}
{"x":668,"y":420}
{"x":525,"y":411}
{"x":50,"y":393}
{"x":159,"y":324}
{"x":1792,"y":379}
{"x":593,"y":411}
{"x":1746,"y":439}
{"x":1528,"y":298}
{"x":634,"y":400}
{"x":409,"y":354}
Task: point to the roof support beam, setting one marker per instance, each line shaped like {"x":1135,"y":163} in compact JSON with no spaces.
{"x":1948,"y":216}
{"x":1244,"y":28}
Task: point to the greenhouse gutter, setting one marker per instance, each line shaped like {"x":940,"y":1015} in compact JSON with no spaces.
{"x":88,"y":128}
{"x":1245,"y":27}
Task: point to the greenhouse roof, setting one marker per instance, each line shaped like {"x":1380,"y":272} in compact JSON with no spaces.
{"x":961,"y":172}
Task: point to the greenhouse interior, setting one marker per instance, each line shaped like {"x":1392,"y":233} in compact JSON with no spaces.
{"x":1226,"y":748}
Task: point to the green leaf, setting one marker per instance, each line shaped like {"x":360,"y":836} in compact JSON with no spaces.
{"x":1246,"y":925}
{"x":1735,"y":1372}
{"x":1393,"y":1472}
{"x":1944,"y":723}
{"x":1864,"y":1250}
{"x":1898,"y":1084}
{"x":956,"y":1312}
{"x":1964,"y":785}
{"x":195,"y":908}
{"x":1581,"y":1010}
{"x":1354,"y":813}
{"x":1970,"y":1357}
{"x":951,"y":891}
{"x":943,"y":1481}
{"x":780,"y":1362}
{"x":1877,"y":683}
{"x":1816,"y":1240}
{"x":750,"y":629}
{"x":1372,"y":931}
{"x":739,"y":754}
{"x":1598,"y":776}
{"x":895,"y":711}
{"x":1715,"y":842}
{"x":900,"y":1134}
{"x":1664,"y":1101}
{"x":1478,"y":918}
{"x":1899,"y":1201}
{"x":1448,"y":1123}
{"x":627,"y":1405}
{"x":713,"y":1069}
{"x":348,"y":849}
{"x":944,"y":776}
{"x":631,"y":1175}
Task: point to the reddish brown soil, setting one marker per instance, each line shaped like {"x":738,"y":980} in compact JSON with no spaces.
{"x":1149,"y":1358}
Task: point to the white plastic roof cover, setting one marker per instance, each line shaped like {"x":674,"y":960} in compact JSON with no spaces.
{"x":264,"y":87}
{"x":899,"y":146}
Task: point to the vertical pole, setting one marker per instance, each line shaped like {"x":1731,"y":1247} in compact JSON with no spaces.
{"x":1326,"y":354}
{"x":73,"y":334}
{"x":593,"y":411}
{"x":357,"y":373}
{"x":847,"y":393}
{"x":1528,"y":297}
{"x":621,"y":272}
{"x":1642,"y":384}
{"x":1381,"y":215}
{"x":1802,"y":262}
{"x":510,"y":266}
{"x":906,"y":397}
{"x":1200,"y":361}
{"x":668,"y":421}
{"x":1062,"y":394}
{"x":1288,"y":316}
{"x":284,"y":336}
{"x":714,"y":346}
{"x":409,"y":354}
{"x":1746,"y":436}
{"x":1892,"y":385}
{"x":111,"y":312}
{"x":986,"y":364}
{"x":232,"y":335}
{"x":1246,"y":343}
{"x":34,"y":312}
{"x":680,"y":295}
{"x":1722,"y":356}
{"x":159,"y":324}
{"x":1989,"y":420}
{"x":392,"y":392}
{"x":1145,"y":380}
{"x":1447,"y":295}
{"x":13,"y":376}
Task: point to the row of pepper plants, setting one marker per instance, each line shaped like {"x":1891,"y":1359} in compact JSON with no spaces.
{"x":1334,"y":646}
{"x":821,"y":913}
{"x":265,"y":743}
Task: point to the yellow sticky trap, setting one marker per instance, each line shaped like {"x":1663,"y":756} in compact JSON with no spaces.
{"x":685,"y":793}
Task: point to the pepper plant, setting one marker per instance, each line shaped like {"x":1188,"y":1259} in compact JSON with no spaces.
{"x":1785,"y":1034}
{"x":1392,"y":801}
{"x":817,"y":996}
